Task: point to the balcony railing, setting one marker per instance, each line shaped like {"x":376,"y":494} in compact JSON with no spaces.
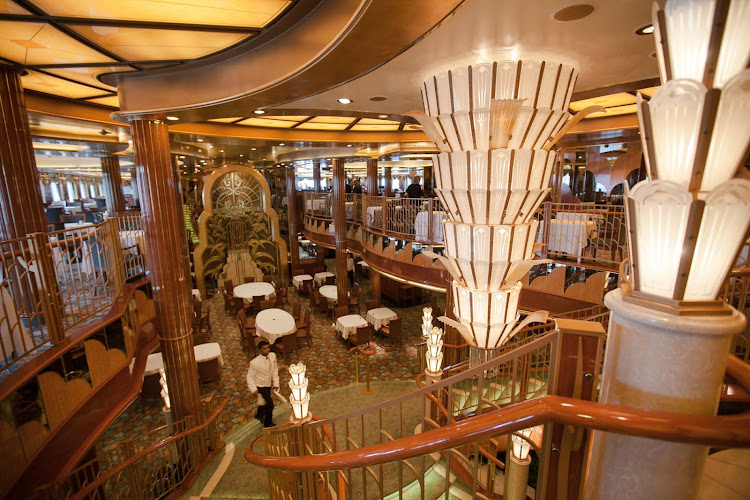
{"x":53,"y":282}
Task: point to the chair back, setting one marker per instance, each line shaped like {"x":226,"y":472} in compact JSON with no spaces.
{"x":306,"y":316}
{"x":354,"y":292}
{"x":341,"y":311}
{"x":258,"y":303}
{"x":268,"y":278}
{"x":288,"y":344}
{"x":266,"y":304}
{"x":394,"y":326}
{"x":363,"y":335}
{"x":296,"y":310}
{"x":229,"y":286}
{"x":330,"y":280}
{"x":249,"y":279}
{"x":371,"y":304}
{"x":208,"y":371}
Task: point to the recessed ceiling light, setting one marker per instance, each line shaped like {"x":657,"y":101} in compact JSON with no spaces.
{"x":281,"y":144}
{"x":200,"y":140}
{"x":172,"y":118}
{"x":182,"y":157}
{"x":645,"y":30}
{"x":345,"y":100}
{"x":378,"y":98}
{"x":383,"y":116}
{"x":240,"y":156}
{"x":259,"y":112}
{"x":348,"y":145}
{"x":574,"y":12}
{"x":221,"y":151}
{"x":210,"y":146}
{"x":253,"y":149}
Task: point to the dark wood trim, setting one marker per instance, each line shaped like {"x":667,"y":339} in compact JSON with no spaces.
{"x":354,"y":122}
{"x":616,"y":89}
{"x":299,"y":122}
{"x":119,"y":62}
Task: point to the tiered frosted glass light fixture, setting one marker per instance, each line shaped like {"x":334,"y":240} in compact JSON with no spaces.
{"x":688,"y":220}
{"x":164,"y":389}
{"x":300,"y":399}
{"x":434,"y":354}
{"x":493,"y":124}
{"x":426,"y":321}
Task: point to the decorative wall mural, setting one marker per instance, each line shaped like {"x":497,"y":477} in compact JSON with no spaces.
{"x":238,"y":227}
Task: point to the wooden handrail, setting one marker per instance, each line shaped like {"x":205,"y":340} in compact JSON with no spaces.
{"x":726,"y":431}
{"x":123,"y":465}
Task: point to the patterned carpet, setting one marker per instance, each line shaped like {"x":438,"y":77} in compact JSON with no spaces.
{"x":329,"y":365}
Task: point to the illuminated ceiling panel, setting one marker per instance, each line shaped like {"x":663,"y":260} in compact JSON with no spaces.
{"x":412,"y":127}
{"x":225,"y":120}
{"x":248,"y":13}
{"x":113,"y":101}
{"x":649,"y":92}
{"x":614,"y":111}
{"x":137,"y":44}
{"x":36,"y":43}
{"x":374,"y":128}
{"x":57,"y":86}
{"x":333,"y":119}
{"x":267,"y":122}
{"x":88,"y":75}
{"x":322,"y":126}
{"x":376,"y":121}
{"x":289,"y":118}
{"x":606,"y":101}
{"x":9,"y":7}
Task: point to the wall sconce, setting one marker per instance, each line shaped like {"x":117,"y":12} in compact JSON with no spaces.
{"x":300,"y":399}
{"x":164,"y":388}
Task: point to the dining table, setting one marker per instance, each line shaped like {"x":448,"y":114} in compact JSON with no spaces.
{"x":249,"y":290}
{"x":203,"y":353}
{"x":330,"y":292}
{"x":380,"y":316}
{"x":422,"y":226}
{"x":347,"y":325}
{"x":272,"y":324}
{"x":299,"y":280}
{"x":320,"y":278}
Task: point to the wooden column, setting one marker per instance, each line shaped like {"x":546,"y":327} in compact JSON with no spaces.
{"x":113,"y":184}
{"x":291,"y":207}
{"x":166,"y":240}
{"x":375,"y":285}
{"x":339,"y":219}
{"x":388,"y":182}
{"x":316,"y":176}
{"x":427,"y":175}
{"x":372,"y":176}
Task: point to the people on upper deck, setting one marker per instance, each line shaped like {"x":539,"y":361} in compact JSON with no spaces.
{"x":414,"y":190}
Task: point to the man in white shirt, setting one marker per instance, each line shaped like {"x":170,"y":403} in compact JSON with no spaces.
{"x":262,"y":375}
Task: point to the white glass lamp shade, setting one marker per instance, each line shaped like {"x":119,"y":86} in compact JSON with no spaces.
{"x":434,"y":349}
{"x":658,"y":220}
{"x":521,"y":447}
{"x":676,"y":110}
{"x":543,"y":84}
{"x":731,"y":134}
{"x":435,"y":336}
{"x":489,"y":316}
{"x":490,"y":257}
{"x":502,"y":186}
{"x":300,"y":408}
{"x":688,"y":31}
{"x":434,"y":363}
{"x":722,"y":231}
{"x":164,"y":388}
{"x":297,"y":371}
{"x":426,"y":320}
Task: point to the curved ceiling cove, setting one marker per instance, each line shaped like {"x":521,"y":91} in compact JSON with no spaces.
{"x":336,"y":42}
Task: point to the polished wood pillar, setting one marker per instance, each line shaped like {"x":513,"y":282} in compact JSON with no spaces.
{"x":291,"y":207}
{"x":388,"y":178}
{"x":339,"y":219}
{"x":316,"y":176}
{"x":427,"y":176}
{"x":372,"y":176}
{"x":375,"y":285}
{"x":166,"y":240}
{"x":21,"y":205}
{"x":113,"y":185}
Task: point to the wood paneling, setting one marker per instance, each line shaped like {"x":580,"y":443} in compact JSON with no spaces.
{"x":103,"y":362}
{"x":61,"y":398}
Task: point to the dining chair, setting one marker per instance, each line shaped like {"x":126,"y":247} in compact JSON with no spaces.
{"x":371,"y":304}
{"x":286,"y":345}
{"x":249,"y":279}
{"x":303,"y":328}
{"x":315,"y":301}
{"x":266,"y":304}
{"x":228,"y":303}
{"x":282,"y":295}
{"x":296,"y":310}
{"x":258,"y":303}
{"x":340,"y":311}
{"x":210,"y":371}
{"x":151,"y":387}
{"x":268,"y":278}
{"x":330,"y":280}
{"x":362,"y":336}
{"x":354,"y":298}
{"x":392,"y":330}
{"x":229,"y":286}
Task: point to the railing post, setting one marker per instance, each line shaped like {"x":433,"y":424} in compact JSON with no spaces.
{"x":46,"y":282}
{"x":115,"y":254}
{"x":384,"y":213}
{"x":574,"y":373}
{"x":430,"y":236}
{"x":136,"y":487}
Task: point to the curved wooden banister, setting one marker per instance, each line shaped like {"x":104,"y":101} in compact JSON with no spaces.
{"x":138,"y":456}
{"x":725,"y":431}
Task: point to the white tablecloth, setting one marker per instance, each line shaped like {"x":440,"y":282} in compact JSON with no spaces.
{"x":363,"y":264}
{"x":422,"y":228}
{"x":316,"y":204}
{"x":380,"y":316}
{"x":197,"y":293}
{"x":298,"y":280}
{"x":250,"y":290}
{"x":348,"y":324}
{"x":320,"y":278}
{"x":371,"y":213}
{"x":568,"y":236}
{"x":273,"y":324}
{"x":330,"y":292}
{"x":203,"y":352}
{"x":77,"y":225}
{"x":14,"y":335}
{"x":130,"y":239}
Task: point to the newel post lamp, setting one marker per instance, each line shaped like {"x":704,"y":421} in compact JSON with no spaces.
{"x":669,"y":332}
{"x":299,"y":398}
{"x":517,"y":465}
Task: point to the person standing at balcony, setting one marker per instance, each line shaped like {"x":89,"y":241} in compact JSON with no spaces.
{"x":414,"y":190}
{"x":350,"y":268}
{"x":262,"y":375}
{"x":356,"y":186}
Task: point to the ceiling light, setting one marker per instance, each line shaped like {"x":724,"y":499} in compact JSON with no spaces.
{"x":253,"y":149}
{"x":344,"y":100}
{"x":221,"y":151}
{"x":378,"y":98}
{"x":53,"y":146}
{"x":645,"y":30}
{"x":240,"y":156}
{"x":574,"y":12}
{"x":172,"y":118}
{"x":210,"y":146}
{"x":348,"y":145}
{"x":281,"y":144}
{"x":200,"y":140}
{"x":383,"y":116}
{"x":182,"y":157}
{"x":259,"y":112}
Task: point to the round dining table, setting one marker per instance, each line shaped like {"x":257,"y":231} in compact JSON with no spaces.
{"x":330,"y":292}
{"x":203,"y":353}
{"x":250,"y":290}
{"x":272,"y":324}
{"x":297,"y":281}
{"x":320,"y":278}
